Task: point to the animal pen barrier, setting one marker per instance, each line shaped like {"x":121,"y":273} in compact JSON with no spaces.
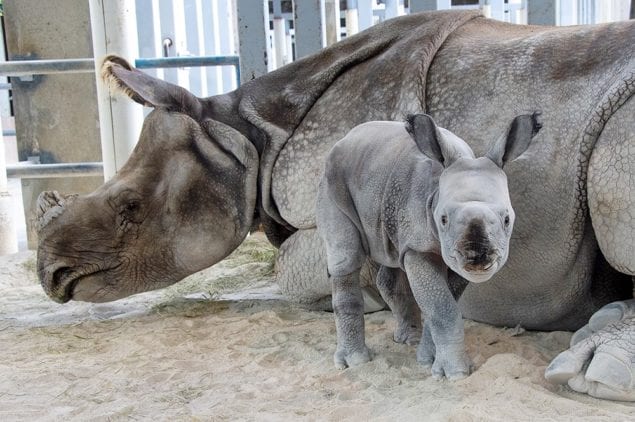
{"x":28,"y":68}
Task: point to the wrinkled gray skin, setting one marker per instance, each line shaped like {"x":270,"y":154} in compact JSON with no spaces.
{"x":205,"y":170}
{"x":412,"y":197}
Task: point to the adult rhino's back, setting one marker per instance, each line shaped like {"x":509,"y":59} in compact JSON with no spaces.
{"x":578,"y":76}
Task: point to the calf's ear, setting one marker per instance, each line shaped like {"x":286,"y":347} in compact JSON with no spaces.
{"x":146,"y":90}
{"x":519,"y":135}
{"x":436,"y":143}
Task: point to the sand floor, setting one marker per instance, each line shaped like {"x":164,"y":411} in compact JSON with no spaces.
{"x":223,"y":345}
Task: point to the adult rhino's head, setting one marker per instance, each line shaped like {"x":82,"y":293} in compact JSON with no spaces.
{"x":183,"y":201}
{"x":472,"y":210}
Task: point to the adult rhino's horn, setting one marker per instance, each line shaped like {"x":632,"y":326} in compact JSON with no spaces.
{"x":50,"y":204}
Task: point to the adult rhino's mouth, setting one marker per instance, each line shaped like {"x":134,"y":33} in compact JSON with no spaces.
{"x":61,"y":284}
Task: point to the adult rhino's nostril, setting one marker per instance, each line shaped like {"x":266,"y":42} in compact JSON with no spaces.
{"x":60,"y":284}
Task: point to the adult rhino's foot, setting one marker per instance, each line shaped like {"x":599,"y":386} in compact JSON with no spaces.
{"x":601,"y":359}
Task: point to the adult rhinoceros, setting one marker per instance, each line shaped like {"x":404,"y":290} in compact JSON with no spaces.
{"x":205,"y":170}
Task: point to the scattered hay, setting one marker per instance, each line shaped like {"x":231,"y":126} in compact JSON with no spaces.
{"x":250,"y":265}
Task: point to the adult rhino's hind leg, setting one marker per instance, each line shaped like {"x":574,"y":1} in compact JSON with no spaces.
{"x":302,"y":275}
{"x":301,"y":271}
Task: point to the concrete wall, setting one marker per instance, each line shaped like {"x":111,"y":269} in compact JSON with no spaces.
{"x":55,"y":115}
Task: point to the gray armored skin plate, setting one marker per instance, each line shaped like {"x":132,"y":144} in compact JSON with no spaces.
{"x":413,"y":198}
{"x":206,"y":170}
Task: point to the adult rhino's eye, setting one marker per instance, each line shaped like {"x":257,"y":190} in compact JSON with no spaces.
{"x":506,"y":221}
{"x":130,"y":211}
{"x":444,"y":220}
{"x":132,"y":206}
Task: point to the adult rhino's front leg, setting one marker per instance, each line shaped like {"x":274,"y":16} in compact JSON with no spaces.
{"x":303,"y":278}
{"x":601,"y":360}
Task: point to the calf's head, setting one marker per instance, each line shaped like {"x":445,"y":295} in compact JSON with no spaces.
{"x":472,"y":211}
{"x":183,"y":201}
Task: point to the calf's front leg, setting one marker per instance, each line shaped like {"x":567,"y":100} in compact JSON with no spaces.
{"x":427,"y":275}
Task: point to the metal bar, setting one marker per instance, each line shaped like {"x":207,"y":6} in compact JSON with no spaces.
{"x":187,"y":61}
{"x":8,"y":132}
{"x":45,"y":67}
{"x":253,"y":24}
{"x":39,"y":171}
{"x":310,"y":31}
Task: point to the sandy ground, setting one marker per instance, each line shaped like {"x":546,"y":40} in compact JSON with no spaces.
{"x":223,"y":345}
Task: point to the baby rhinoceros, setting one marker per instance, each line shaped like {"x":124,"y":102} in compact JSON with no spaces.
{"x":413,"y":198}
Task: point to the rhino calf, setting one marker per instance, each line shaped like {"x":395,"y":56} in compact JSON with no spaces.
{"x":423,"y":208}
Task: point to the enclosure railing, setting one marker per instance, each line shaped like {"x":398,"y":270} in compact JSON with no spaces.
{"x":26,"y":69}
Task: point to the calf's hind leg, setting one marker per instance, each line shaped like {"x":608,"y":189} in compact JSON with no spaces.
{"x":395,"y":290}
{"x":345,"y":256}
{"x":302,"y":276}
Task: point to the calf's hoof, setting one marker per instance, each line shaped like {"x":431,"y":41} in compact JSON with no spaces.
{"x":407,"y":335}
{"x":344,"y":360}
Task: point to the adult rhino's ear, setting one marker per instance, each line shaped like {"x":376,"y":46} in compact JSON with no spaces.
{"x":435,"y":142}
{"x":519,"y":135}
{"x":146,"y":90}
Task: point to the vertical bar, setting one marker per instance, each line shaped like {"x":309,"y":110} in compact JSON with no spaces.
{"x":365,"y":14}
{"x":167,"y":30}
{"x":332,"y":19}
{"x":567,"y":12}
{"x":189,"y":27}
{"x":352,"y":20}
{"x":226,"y":44}
{"x":444,"y":4}
{"x":289,"y":40}
{"x":145,"y":31}
{"x":114,"y":31}
{"x":209,"y":17}
{"x":310,"y":33}
{"x":392,"y":9}
{"x":496,"y":9}
{"x":252,"y":38}
{"x":180,"y":41}
{"x":4,"y":94}
{"x":8,"y":232}
{"x":279,"y":40}
{"x":200,"y":37}
{"x":156,"y":30}
{"x":541,"y":12}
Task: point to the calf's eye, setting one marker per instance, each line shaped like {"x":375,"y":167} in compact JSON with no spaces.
{"x":506,"y":221}
{"x":444,"y":220}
